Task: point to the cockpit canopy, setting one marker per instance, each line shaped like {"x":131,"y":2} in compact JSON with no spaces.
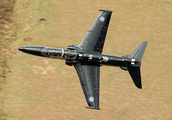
{"x":61,"y":53}
{"x":70,"y":54}
{"x":54,"y":52}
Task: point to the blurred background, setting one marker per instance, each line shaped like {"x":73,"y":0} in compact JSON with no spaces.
{"x":35,"y":88}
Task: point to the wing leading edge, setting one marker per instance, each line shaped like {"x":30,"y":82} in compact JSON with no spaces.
{"x":89,"y":79}
{"x":95,"y":37}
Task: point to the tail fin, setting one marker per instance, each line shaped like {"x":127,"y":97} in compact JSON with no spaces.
{"x":134,"y":68}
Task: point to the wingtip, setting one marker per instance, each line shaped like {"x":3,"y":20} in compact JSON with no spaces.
{"x":90,"y":107}
{"x":105,"y":10}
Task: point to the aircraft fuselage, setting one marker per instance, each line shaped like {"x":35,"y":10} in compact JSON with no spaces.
{"x":75,"y":55}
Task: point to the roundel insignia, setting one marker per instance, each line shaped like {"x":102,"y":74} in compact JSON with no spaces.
{"x":91,"y":99}
{"x":102,"y":19}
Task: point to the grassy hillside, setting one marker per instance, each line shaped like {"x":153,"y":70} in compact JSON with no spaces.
{"x":43,"y":88}
{"x":7,"y":36}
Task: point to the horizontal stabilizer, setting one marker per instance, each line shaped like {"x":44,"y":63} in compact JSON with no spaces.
{"x":138,"y":52}
{"x":135,"y":75}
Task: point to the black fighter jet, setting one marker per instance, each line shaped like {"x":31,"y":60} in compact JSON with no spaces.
{"x":87,"y":58}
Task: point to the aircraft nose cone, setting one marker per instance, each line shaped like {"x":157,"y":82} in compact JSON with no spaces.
{"x":34,"y":50}
{"x":21,"y":48}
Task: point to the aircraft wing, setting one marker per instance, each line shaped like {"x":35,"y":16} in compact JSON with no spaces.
{"x":95,"y":37}
{"x":89,"y":79}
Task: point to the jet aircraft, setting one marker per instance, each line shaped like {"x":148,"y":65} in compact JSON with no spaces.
{"x":87,"y":58}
